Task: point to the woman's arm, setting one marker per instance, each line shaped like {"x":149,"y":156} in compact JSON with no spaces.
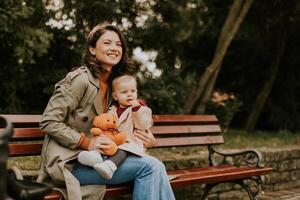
{"x":61,"y":105}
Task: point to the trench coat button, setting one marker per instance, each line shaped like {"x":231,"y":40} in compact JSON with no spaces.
{"x":85,"y":118}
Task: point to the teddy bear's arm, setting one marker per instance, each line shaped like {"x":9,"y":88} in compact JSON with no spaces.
{"x":96,"y":131}
{"x":120,"y":138}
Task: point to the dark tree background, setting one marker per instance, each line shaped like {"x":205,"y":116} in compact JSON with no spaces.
{"x":40,"y":41}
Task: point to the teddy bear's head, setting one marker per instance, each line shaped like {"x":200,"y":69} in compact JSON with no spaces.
{"x":105,"y":121}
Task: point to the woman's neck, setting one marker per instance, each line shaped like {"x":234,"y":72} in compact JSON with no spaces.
{"x":104,"y":76}
{"x":107,"y":67}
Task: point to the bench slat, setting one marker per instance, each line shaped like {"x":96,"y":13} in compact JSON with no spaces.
{"x":54,"y":195}
{"x":27,"y":133}
{"x":36,"y":133}
{"x":36,"y":148}
{"x":187,"y":119}
{"x":161,"y":119}
{"x":25,"y":149}
{"x":189,"y":141}
{"x":118,"y":190}
{"x":160,"y":130}
{"x":222,"y":175}
{"x":24,"y":120}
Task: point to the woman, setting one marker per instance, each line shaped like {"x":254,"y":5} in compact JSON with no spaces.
{"x":67,"y":119}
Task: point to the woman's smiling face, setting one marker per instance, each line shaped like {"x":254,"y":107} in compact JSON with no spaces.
{"x":108,"y":50}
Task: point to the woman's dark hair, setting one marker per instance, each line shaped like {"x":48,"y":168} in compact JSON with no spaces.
{"x":125,"y":66}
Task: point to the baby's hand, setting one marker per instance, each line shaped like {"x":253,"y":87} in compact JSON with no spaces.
{"x":134,"y":103}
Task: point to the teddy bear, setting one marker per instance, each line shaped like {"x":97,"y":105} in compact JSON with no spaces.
{"x":106,"y":124}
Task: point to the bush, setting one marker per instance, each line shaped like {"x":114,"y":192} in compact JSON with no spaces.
{"x":224,"y":106}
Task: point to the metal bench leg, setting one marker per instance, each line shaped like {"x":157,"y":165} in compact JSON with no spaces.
{"x":207,"y":188}
{"x":247,"y":189}
{"x":251,"y":193}
{"x":258,"y":180}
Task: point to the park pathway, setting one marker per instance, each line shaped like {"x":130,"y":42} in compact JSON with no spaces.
{"x":289,"y":194}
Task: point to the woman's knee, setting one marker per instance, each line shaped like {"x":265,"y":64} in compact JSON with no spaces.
{"x":153,"y":164}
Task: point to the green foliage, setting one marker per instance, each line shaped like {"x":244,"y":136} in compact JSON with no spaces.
{"x":247,"y":65}
{"x":22,"y":41}
{"x":22,"y":37}
{"x":34,"y":56}
{"x":166,"y":95}
{"x":224,"y":108}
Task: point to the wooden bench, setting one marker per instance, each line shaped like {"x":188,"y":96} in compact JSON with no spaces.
{"x":170,"y":131}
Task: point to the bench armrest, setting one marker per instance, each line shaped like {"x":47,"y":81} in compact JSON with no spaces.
{"x":16,"y":173}
{"x":250,"y":157}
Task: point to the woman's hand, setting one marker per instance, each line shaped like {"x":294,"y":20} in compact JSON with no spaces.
{"x":146,"y":136}
{"x":100,"y":143}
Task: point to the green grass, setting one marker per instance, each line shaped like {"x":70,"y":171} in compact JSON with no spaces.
{"x":242,"y":139}
{"x":25,"y":163}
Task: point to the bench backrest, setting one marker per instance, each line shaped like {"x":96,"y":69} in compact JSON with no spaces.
{"x":170,"y":131}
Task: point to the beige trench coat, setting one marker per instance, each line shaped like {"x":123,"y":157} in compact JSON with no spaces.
{"x":70,"y":111}
{"x":128,"y":122}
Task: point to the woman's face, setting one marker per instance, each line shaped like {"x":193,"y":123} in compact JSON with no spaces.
{"x":108,"y":50}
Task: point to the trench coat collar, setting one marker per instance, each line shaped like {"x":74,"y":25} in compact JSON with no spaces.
{"x":98,"y":104}
{"x":92,"y":79}
{"x":109,"y":99}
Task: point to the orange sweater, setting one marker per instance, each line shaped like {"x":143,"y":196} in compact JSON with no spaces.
{"x":84,"y":141}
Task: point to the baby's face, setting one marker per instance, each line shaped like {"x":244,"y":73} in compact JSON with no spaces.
{"x":125,"y":93}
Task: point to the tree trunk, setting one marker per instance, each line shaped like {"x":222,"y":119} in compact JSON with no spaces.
{"x":235,"y":17}
{"x":263,"y":95}
{"x":207,"y":92}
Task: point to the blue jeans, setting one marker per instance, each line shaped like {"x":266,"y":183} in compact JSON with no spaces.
{"x":148,"y":173}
